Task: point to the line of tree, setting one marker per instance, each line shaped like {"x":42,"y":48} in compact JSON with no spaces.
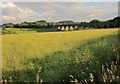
{"x":96,"y":24}
{"x":37,"y":24}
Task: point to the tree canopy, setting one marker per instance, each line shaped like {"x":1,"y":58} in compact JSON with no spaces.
{"x":112,"y":23}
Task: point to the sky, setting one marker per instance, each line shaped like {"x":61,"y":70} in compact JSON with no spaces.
{"x":16,"y":12}
{"x":59,"y":0}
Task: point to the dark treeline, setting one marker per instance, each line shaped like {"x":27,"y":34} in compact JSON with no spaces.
{"x":95,"y":24}
{"x":113,"y":23}
{"x":37,"y":24}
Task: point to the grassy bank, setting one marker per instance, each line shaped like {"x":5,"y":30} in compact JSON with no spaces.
{"x":55,"y":56}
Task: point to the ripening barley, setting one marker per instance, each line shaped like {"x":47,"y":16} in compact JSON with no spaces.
{"x":91,"y":77}
{"x":18,"y":49}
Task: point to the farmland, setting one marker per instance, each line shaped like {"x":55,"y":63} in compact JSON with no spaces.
{"x":58,"y":54}
{"x":27,"y":30}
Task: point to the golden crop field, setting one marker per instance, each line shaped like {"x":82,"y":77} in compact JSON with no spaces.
{"x":19,"y":47}
{"x":55,"y":56}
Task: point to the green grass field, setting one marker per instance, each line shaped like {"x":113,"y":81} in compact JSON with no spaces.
{"x":59,"y":54}
{"x":29,"y":30}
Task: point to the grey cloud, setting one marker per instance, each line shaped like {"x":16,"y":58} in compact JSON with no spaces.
{"x":56,"y":11}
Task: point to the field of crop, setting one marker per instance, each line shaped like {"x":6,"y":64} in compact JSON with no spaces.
{"x":28,"y":30}
{"x":56,"y":55}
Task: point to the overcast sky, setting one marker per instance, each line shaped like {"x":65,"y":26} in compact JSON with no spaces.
{"x":15,"y":12}
{"x":60,"y":0}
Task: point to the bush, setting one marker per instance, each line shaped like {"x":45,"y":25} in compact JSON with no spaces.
{"x":8,"y":32}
